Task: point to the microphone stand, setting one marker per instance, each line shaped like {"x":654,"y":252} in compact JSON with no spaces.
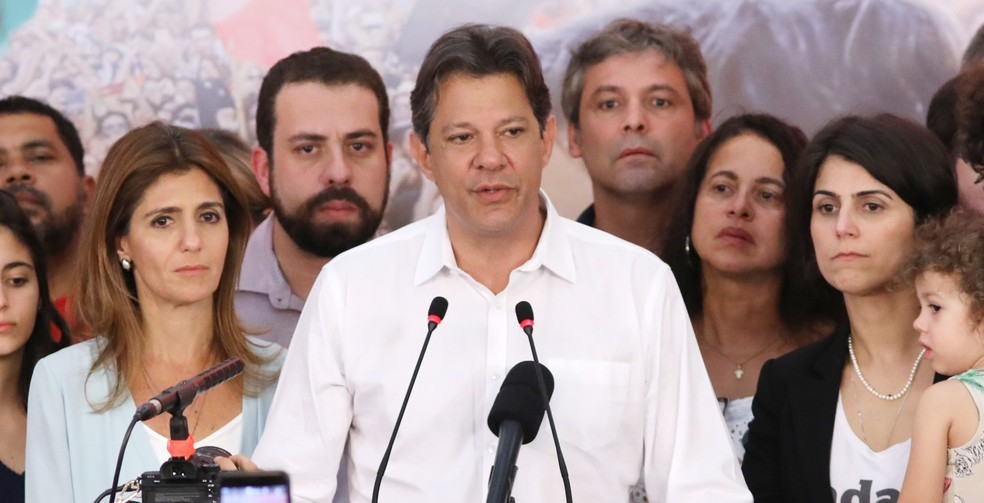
{"x":524,"y":314}
{"x":399,"y":418}
{"x":505,"y":459}
{"x":181,"y":446}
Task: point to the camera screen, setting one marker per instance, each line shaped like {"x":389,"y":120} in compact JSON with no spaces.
{"x":254,"y":494}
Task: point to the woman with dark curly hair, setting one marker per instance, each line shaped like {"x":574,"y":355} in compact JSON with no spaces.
{"x":729,"y":254}
{"x":26,"y":317}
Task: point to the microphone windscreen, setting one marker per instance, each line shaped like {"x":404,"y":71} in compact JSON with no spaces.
{"x":220,"y":373}
{"x":439,"y":307}
{"x":524,"y":311}
{"x":519,"y":399}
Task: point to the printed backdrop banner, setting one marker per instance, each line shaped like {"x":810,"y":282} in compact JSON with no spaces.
{"x":114,"y":64}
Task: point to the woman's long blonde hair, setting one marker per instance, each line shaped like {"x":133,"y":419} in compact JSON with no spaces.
{"x":107,"y":297}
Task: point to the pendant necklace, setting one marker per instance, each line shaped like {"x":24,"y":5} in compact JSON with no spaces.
{"x":857,"y":404}
{"x":740,"y":365}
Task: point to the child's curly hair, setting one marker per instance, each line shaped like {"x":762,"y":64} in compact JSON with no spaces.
{"x":970,"y":119}
{"x":953,"y":244}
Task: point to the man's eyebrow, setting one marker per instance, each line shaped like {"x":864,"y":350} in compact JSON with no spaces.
{"x":469,"y":125}
{"x":37,"y":143}
{"x":608,"y":88}
{"x":306,"y":137}
{"x":664,"y":87}
{"x":515,"y":118}
{"x":611,"y":88}
{"x":361,"y":133}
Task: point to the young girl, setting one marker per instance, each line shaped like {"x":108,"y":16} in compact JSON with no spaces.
{"x":948,"y":436}
{"x":26,"y":315}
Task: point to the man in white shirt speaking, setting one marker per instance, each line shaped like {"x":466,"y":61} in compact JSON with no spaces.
{"x":632,"y":400}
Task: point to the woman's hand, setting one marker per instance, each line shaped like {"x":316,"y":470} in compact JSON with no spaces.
{"x":236,"y":463}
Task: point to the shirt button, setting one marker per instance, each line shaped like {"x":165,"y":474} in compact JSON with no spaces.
{"x":491,"y":450}
{"x":495,"y":377}
{"x":498,"y":304}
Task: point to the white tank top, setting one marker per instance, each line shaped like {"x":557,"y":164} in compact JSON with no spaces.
{"x":859,"y":474}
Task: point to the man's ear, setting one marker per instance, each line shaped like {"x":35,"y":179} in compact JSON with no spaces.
{"x":549,"y":136}
{"x":420,"y":154}
{"x":573,"y":141}
{"x":261,"y":168}
{"x":88,"y":189}
{"x":703,"y":129}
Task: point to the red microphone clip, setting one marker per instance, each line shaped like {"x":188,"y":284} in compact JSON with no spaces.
{"x":528,"y":322}
{"x":181,"y":448}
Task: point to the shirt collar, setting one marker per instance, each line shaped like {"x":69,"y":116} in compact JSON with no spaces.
{"x":553,"y":250}
{"x":260,"y":270}
{"x":587,"y":217}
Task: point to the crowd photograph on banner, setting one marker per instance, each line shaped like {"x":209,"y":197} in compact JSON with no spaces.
{"x":291,"y":250}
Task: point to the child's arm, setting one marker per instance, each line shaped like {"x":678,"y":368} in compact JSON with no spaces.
{"x":926,"y":471}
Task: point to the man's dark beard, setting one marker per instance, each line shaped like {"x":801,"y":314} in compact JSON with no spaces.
{"x":328,"y":240}
{"x":57,"y":231}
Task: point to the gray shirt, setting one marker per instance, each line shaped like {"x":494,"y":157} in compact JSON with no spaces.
{"x":264,"y":300}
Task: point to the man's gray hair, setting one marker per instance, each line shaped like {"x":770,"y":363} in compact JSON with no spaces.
{"x":624,"y":36}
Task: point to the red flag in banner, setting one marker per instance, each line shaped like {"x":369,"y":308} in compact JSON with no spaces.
{"x":264,"y":31}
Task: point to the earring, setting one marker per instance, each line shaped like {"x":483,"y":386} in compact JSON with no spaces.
{"x":686,"y":249}
{"x":126,"y":264}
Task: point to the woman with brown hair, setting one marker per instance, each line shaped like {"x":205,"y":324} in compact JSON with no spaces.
{"x":162,"y":249}
{"x":834,"y":418}
{"x":730,"y":256}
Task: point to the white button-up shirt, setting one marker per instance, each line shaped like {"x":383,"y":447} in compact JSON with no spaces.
{"x":632,"y":398}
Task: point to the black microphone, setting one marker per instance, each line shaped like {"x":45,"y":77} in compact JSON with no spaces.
{"x":515,"y":418}
{"x":181,"y":395}
{"x":438,"y":308}
{"x":524,"y":314}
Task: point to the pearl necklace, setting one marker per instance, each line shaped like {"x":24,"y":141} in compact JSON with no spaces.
{"x":896,"y":396}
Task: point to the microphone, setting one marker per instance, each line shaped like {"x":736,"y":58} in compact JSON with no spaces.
{"x":438,"y":308}
{"x":180,"y":396}
{"x":515,"y":418}
{"x":524,"y":314}
{"x":435,"y":314}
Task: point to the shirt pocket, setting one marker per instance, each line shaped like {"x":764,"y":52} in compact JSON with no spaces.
{"x":589,"y":400}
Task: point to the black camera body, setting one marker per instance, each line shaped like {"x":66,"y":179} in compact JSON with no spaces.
{"x":180,"y":481}
{"x":184,"y":481}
